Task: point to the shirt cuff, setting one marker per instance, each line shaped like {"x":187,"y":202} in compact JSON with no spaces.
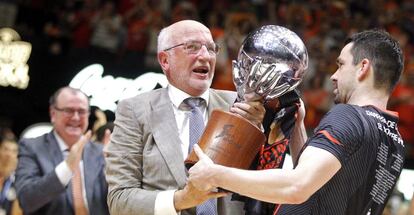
{"x":164,"y":203}
{"x":63,"y":173}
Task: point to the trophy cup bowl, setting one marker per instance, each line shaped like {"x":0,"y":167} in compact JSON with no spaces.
{"x":271,"y":62}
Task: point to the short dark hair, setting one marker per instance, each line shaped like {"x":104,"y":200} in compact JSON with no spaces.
{"x":53,"y":98}
{"x":383,"y":51}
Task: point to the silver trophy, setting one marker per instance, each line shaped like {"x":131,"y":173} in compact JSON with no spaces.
{"x":271,"y":62}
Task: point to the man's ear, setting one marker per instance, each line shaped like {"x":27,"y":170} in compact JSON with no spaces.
{"x":52,"y":114}
{"x":364,"y":70}
{"x":163,"y":60}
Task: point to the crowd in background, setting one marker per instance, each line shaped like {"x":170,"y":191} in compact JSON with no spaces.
{"x":122,"y":35}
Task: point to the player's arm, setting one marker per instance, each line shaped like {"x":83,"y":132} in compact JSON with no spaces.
{"x":298,"y":136}
{"x":315,"y":168}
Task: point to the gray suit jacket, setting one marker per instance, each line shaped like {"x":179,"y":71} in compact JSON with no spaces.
{"x":145,"y":154}
{"x":38,"y":187}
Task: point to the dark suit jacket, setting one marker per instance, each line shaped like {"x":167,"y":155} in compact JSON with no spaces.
{"x":38,"y":187}
{"x":145,"y":155}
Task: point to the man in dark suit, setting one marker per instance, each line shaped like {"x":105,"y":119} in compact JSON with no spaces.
{"x":49,"y":164}
{"x":145,"y":163}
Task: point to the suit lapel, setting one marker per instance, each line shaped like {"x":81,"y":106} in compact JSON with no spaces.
{"x":165,"y":130}
{"x":56,"y":157}
{"x":166,"y":137}
{"x":53,"y":149}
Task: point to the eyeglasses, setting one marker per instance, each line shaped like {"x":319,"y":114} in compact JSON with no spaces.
{"x":70,"y":111}
{"x":193,"y":47}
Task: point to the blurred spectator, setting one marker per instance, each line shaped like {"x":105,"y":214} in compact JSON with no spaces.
{"x":8,"y":12}
{"x":317,"y":101}
{"x":237,"y":26}
{"x":102,"y":133}
{"x":156,"y":22}
{"x":107,"y":28}
{"x":395,"y":203}
{"x":222,"y":78}
{"x":8,"y":161}
{"x":184,"y":10}
{"x":61,"y":172}
{"x":99,"y":120}
{"x":402,"y":101}
{"x":136,"y":20}
{"x":102,"y":126}
{"x":103,"y":136}
{"x":57,"y":29}
{"x":297,"y":17}
{"x":80,"y":23}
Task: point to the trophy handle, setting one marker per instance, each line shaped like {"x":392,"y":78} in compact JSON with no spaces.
{"x":229,"y":140}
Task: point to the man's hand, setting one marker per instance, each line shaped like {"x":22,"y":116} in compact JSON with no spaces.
{"x":75,"y":153}
{"x":106,"y":140}
{"x":198,"y":189}
{"x":301,"y":111}
{"x":107,"y":137}
{"x":200,"y":175}
{"x":253,"y":111}
{"x":190,"y":197}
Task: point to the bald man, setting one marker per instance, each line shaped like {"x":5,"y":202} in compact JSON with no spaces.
{"x":145,"y":163}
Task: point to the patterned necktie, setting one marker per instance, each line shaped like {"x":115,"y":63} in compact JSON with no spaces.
{"x":196,"y":124}
{"x":78,"y":202}
{"x":196,"y":120}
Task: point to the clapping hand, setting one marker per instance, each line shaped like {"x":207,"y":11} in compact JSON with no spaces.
{"x":75,"y":153}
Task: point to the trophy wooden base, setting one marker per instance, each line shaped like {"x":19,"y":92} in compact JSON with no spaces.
{"x":229,"y":140}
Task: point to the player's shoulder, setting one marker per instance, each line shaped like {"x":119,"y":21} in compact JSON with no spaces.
{"x":342,"y":109}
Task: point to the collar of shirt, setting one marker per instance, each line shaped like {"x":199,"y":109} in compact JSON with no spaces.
{"x":62,"y":145}
{"x":182,"y":115}
{"x":177,"y":96}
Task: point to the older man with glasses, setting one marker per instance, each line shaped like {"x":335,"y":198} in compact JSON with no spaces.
{"x":153,"y":131}
{"x":61,"y":172}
